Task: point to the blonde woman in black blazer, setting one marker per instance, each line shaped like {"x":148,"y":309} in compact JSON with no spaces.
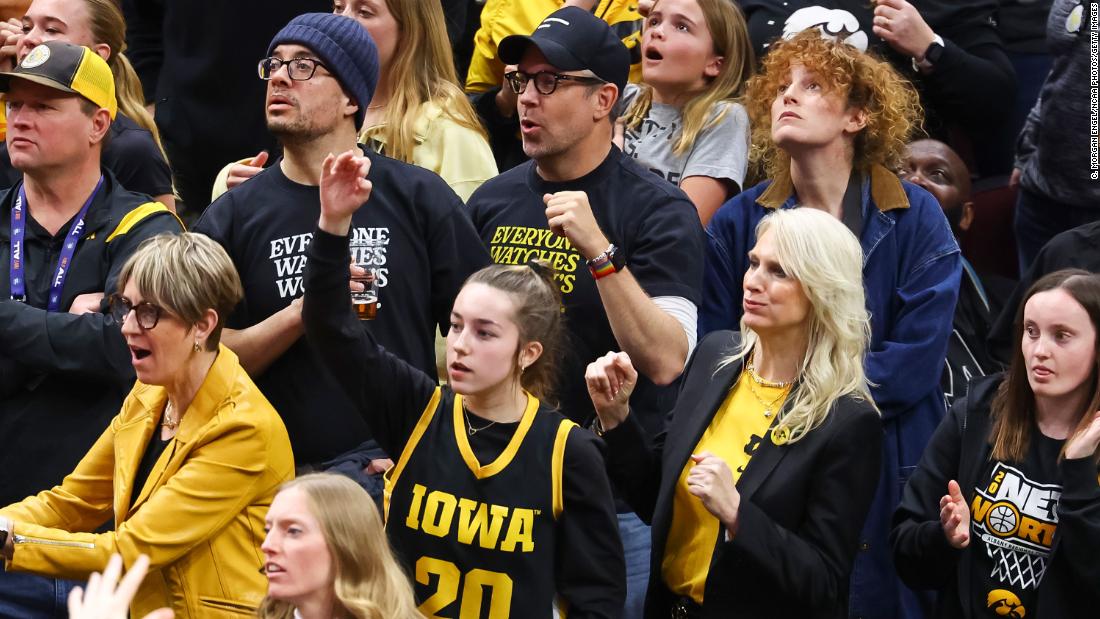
{"x":758,"y":489}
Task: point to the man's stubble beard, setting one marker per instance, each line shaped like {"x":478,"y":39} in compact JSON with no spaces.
{"x":296,"y":131}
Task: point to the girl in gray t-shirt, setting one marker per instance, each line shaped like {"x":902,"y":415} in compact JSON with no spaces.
{"x":682,"y":122}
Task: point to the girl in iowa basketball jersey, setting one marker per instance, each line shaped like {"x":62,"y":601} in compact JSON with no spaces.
{"x":497,"y":506}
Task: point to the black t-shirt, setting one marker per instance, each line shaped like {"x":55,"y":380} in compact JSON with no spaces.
{"x":153,"y":451}
{"x":650,"y":220}
{"x":131,"y":154}
{"x":425,"y":249}
{"x":1014,"y":519}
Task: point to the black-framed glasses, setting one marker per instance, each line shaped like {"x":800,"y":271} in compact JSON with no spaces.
{"x":147,"y":314}
{"x":546,"y":82}
{"x":299,"y":69}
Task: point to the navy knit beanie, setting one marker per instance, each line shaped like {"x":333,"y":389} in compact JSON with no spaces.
{"x":344,"y":47}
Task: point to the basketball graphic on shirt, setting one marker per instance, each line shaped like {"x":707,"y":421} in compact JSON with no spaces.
{"x":1002,"y":519}
{"x":1016,"y":519}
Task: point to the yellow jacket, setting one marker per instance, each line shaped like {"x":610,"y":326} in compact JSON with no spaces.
{"x":501,"y":18}
{"x":200,"y":514}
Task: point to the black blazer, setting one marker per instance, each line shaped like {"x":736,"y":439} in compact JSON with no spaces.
{"x":802,"y":505}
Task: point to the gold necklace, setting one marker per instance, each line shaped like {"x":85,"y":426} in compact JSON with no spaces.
{"x":763,"y":382}
{"x":470,"y":429}
{"x":768,"y":406}
{"x":166,"y":421}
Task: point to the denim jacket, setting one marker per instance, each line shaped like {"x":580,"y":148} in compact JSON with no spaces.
{"x":911,"y":273}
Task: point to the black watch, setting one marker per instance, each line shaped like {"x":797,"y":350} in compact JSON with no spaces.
{"x":931,"y":55}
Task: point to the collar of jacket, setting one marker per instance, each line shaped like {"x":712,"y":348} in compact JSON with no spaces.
{"x":886,"y":191}
{"x":427,"y":113}
{"x":214,"y":390}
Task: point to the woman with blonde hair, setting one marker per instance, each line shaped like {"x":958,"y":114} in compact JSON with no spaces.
{"x":830,"y":125}
{"x":134,"y":152}
{"x":758,"y":487}
{"x":682,"y":122}
{"x":326,"y":555}
{"x":419,"y":113}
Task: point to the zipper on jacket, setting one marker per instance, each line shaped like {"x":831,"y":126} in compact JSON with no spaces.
{"x":23,"y":539}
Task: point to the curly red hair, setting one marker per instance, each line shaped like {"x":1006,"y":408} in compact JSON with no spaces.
{"x":891,"y":103}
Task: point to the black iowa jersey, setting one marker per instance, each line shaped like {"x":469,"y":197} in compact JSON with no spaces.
{"x":479,"y":540}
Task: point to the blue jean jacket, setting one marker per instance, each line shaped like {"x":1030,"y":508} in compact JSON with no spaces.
{"x":911,"y":271}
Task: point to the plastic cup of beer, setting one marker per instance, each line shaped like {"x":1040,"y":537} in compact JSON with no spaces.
{"x":365,"y":302}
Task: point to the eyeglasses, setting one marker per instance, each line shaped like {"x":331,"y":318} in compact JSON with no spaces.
{"x":546,"y":82}
{"x":148,"y":315}
{"x":299,"y":69}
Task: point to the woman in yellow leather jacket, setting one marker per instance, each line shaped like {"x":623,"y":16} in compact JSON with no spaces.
{"x":189,"y":466}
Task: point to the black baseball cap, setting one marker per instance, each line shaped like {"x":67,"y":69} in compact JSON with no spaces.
{"x":573,"y":39}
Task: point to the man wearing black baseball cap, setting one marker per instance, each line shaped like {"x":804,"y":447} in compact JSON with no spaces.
{"x":580,"y":202}
{"x":65,"y":231}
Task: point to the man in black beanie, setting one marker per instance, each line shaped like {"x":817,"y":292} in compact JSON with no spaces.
{"x":321,"y":72}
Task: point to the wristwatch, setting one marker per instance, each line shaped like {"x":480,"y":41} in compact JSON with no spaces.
{"x":612,"y":260}
{"x":931,"y":55}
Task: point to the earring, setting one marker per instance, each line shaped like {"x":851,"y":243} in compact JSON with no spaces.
{"x":198,"y":346}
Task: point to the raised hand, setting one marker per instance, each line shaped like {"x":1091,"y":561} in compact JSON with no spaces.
{"x":11,"y":35}
{"x":900,"y":24}
{"x":570,"y":215}
{"x":955,"y":516}
{"x":611,"y":380}
{"x":100,"y":599}
{"x":1083,"y":443}
{"x":344,"y":188}
{"x":712,"y":481}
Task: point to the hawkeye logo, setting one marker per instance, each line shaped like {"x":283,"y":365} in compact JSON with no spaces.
{"x":1016,"y":518}
{"x":1005,"y":604}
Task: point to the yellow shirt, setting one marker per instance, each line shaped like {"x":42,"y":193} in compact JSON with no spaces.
{"x":733,"y":435}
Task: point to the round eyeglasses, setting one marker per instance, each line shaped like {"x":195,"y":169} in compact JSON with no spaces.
{"x":546,"y":82}
{"x":147,"y":314}
{"x":299,"y":69}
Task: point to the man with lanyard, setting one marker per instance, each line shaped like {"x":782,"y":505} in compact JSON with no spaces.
{"x":626,"y":245}
{"x":414,"y":236}
{"x":65,"y":232}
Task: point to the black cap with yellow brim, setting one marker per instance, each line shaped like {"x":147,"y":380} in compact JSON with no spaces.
{"x":68,"y":68}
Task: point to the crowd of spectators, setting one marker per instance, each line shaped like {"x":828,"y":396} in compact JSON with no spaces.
{"x":607,"y":308}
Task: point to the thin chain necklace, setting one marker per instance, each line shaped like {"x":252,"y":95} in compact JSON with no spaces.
{"x":756,"y":380}
{"x":166,"y":421}
{"x":470,"y":429}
